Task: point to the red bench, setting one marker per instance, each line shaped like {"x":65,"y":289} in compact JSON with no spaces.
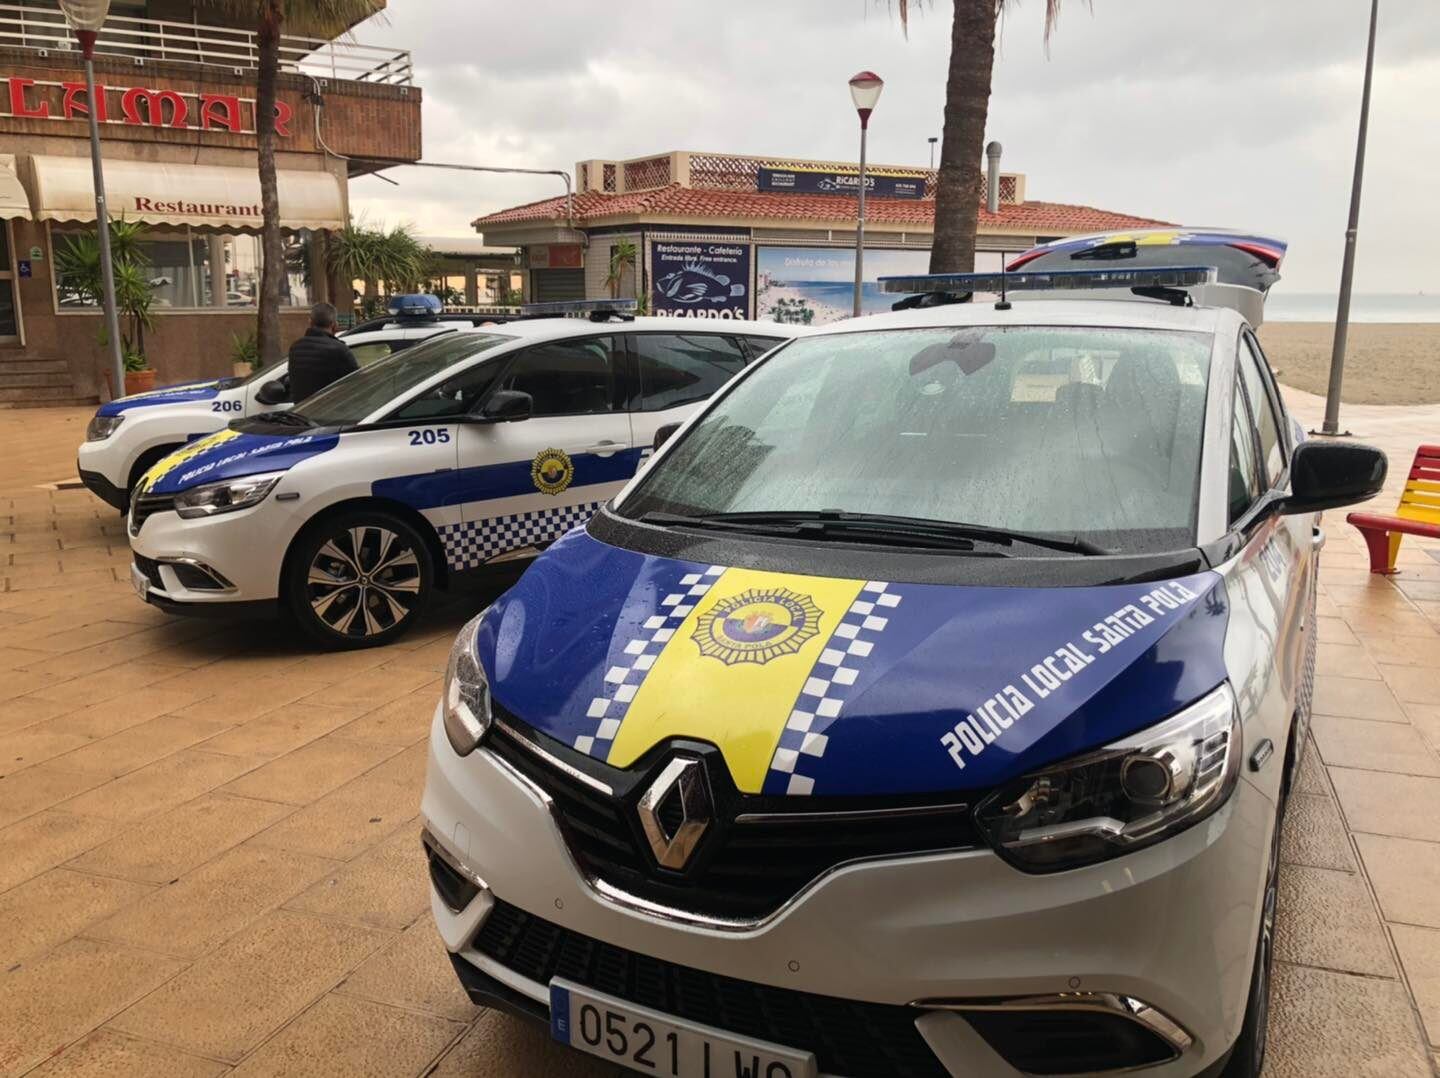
{"x":1417,"y":514}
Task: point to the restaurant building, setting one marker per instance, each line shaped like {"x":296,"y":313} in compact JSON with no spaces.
{"x":737,"y":236}
{"x":176,"y":103}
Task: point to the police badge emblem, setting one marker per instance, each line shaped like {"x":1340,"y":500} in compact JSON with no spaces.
{"x":551,"y":471}
{"x":757,"y":626}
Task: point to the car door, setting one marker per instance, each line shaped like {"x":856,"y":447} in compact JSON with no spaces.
{"x":674,"y":373}
{"x":521,"y":485}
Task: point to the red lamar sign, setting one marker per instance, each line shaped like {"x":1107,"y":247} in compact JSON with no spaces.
{"x":141,"y":106}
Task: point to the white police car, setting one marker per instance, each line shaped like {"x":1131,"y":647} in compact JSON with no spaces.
{"x":927,"y":707}
{"x":476,"y":447}
{"x":130,"y":434}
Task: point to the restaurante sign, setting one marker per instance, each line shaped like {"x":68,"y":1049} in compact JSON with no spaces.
{"x":38,"y":99}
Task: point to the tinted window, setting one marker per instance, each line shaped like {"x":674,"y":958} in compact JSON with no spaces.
{"x":368,"y":353}
{"x":454,"y":396}
{"x":682,"y":368}
{"x":1272,"y":451}
{"x":1056,"y":429}
{"x":1245,"y":481}
{"x":758,"y":346}
{"x":566,"y":377}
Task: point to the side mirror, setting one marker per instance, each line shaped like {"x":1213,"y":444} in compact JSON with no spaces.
{"x":507,"y":406}
{"x":1327,"y":475}
{"x":272,"y":392}
{"x":663,"y":434}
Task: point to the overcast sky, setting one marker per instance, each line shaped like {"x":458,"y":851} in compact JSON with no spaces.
{"x":1236,"y":113}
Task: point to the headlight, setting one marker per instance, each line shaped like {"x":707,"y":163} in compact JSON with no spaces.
{"x":225,"y":496}
{"x":466,"y":701}
{"x":102,"y":426}
{"x":1130,"y":794}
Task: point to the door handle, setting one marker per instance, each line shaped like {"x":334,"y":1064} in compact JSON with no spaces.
{"x":604,"y":448}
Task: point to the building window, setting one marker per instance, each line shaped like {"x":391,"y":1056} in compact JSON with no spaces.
{"x":190,"y":269}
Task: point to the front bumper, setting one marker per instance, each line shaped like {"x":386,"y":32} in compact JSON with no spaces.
{"x":103,"y":489}
{"x":1173,"y":925}
{"x":243,"y":550}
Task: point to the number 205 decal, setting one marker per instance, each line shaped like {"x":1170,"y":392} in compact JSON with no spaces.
{"x":227,"y":406}
{"x":429,"y":436}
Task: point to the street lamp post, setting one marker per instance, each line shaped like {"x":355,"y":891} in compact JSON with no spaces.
{"x":865,"y":92}
{"x":86,"y":17}
{"x":1347,"y":272}
{"x":932,"y":140}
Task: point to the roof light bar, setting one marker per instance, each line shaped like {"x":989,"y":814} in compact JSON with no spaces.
{"x":1151,"y":277}
{"x":414,"y":306}
{"x":578,"y":307}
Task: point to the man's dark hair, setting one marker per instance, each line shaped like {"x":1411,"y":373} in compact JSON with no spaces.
{"x":322,"y":315}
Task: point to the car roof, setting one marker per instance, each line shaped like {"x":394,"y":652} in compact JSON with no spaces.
{"x":1114,"y":313}
{"x":546,"y":328}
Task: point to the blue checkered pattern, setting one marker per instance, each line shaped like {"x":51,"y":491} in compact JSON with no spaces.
{"x":803,"y":741}
{"x":622,"y":681}
{"x":475,"y":542}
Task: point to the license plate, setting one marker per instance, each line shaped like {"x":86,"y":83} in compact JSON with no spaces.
{"x":140,"y":582}
{"x":653,"y":1043}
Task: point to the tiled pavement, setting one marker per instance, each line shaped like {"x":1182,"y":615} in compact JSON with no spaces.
{"x":208,"y":834}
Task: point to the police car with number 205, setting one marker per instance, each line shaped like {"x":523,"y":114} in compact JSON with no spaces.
{"x":928,"y":706}
{"x":476,"y":447}
{"x":129,"y":435}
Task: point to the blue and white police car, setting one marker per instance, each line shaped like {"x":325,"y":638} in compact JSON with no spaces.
{"x":478,"y":447}
{"x":928,"y":706}
{"x":130,"y":434}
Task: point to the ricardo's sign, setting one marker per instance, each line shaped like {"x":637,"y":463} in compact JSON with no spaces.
{"x":815,"y":182}
{"x":38,"y":99}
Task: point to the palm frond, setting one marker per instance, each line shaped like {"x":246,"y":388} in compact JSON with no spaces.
{"x":314,"y":18}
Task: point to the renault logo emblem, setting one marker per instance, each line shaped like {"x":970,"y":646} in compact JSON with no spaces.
{"x":675,"y":811}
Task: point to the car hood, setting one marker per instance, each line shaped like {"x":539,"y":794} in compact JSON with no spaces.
{"x":180,"y":393}
{"x":827,"y":686}
{"x":230,"y":454}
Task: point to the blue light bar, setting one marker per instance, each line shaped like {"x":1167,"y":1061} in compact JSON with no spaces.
{"x":414,"y":306}
{"x":580,"y":307}
{"x":1151,"y":277}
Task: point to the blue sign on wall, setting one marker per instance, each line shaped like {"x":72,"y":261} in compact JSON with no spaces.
{"x":814,"y":182}
{"x":700,"y":279}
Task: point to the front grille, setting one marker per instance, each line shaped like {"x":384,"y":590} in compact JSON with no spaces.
{"x":848,"y":1037}
{"x":146,"y":506}
{"x":741,"y":869}
{"x":151,"y":568}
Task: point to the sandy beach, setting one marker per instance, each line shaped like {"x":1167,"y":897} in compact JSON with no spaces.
{"x":1384,"y":363}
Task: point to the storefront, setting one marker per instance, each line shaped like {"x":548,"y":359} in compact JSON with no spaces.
{"x":728,"y":236}
{"x":178,"y":132}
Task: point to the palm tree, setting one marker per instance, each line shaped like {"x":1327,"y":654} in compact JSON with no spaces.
{"x":320,"y":18}
{"x":622,"y":261}
{"x":967,"y":105}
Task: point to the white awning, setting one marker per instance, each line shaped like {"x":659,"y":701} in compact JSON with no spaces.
{"x":203,"y":196}
{"x":13,"y":200}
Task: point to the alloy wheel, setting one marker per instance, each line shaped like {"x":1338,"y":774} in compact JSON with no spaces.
{"x":363,"y":581}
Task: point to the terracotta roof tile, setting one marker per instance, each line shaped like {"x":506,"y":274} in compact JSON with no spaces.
{"x":676,"y":201}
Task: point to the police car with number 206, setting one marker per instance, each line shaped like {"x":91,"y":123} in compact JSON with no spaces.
{"x":129,"y":435}
{"x":928,"y":706}
{"x":482,"y":445}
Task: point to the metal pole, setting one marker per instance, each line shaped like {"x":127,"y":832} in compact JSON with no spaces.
{"x":102,"y":224}
{"x":860,"y":219}
{"x":1347,"y":273}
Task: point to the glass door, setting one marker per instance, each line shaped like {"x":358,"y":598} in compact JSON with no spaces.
{"x":9,"y":312}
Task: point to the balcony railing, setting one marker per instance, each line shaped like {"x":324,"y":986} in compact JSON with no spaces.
{"x":144,"y":40}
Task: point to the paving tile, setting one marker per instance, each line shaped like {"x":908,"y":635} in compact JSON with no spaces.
{"x":1311,"y":777}
{"x":68,"y":992}
{"x":162,"y":785}
{"x":128,"y":709}
{"x":25,"y":711}
{"x":209,"y":905}
{"x":98,"y":632}
{"x":1419,"y":950}
{"x":165,"y":847}
{"x":351,"y":1038}
{"x":1388,"y":804}
{"x":1336,"y":1025}
{"x":44,"y":840}
{"x":236,"y":700}
{"x":1404,"y":650}
{"x":132,"y":749}
{"x":400,"y":722}
{"x":1406,"y":877}
{"x":1356,"y":698}
{"x":1314,"y":834}
{"x":311,"y":772}
{"x":281,"y":731}
{"x":106,"y":1054}
{"x":1407,"y":622}
{"x":499,"y":1045}
{"x":1373,"y":746}
{"x":49,"y":909}
{"x":1334,"y":631}
{"x":387,"y":886}
{"x":40,"y":787}
{"x":232,"y":999}
{"x":36,"y":744}
{"x":414,"y":972}
{"x":374,"y":688}
{"x":1413,"y":684}
{"x":1327,"y":919}
{"x":1344,"y":660}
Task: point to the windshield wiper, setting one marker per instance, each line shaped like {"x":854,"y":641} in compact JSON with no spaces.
{"x":803,"y":526}
{"x":839,"y":520}
{"x":284,"y":419}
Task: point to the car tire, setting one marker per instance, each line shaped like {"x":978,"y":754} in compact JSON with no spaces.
{"x":359,"y":580}
{"x":1247,"y":1058}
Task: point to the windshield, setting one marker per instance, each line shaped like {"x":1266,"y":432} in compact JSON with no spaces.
{"x":1064,"y":431}
{"x":358,"y":395}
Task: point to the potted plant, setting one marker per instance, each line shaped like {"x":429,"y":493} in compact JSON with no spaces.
{"x":244,"y":354}
{"x":139,"y":375}
{"x":77,"y":262}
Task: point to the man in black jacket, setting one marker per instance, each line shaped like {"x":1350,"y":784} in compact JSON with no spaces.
{"x":319,"y":357}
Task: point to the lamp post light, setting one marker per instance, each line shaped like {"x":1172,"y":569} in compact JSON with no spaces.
{"x":932,"y":140}
{"x":865,"y":92}
{"x":86,"y":17}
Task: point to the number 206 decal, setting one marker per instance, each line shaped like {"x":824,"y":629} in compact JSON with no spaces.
{"x":227,"y":406}
{"x":429,"y":436}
